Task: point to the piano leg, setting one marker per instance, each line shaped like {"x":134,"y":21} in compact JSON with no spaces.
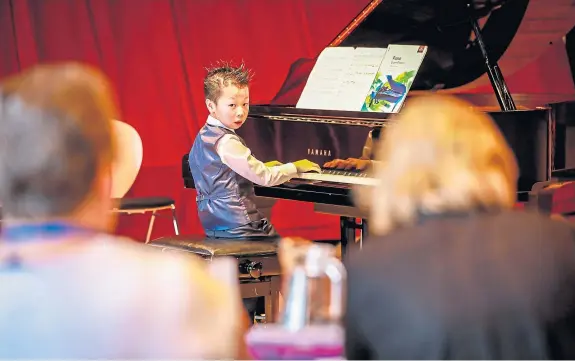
{"x":347,"y":232}
{"x":363,"y":234}
{"x":348,"y":225}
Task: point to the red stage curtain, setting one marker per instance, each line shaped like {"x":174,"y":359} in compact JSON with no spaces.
{"x":155,"y":52}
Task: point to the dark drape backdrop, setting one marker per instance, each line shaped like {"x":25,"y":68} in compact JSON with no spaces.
{"x":155,"y":52}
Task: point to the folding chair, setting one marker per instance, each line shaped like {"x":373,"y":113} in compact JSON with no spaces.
{"x":129,"y":154}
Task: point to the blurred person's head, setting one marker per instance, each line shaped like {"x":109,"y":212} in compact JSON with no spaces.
{"x":56,"y":145}
{"x":439,"y":156}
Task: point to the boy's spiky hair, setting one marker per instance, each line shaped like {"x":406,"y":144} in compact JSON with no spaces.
{"x":223,"y":74}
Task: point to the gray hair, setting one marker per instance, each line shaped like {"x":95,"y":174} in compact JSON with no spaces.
{"x":55,"y":134}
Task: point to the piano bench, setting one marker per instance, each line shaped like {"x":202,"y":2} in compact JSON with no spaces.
{"x":258,"y":263}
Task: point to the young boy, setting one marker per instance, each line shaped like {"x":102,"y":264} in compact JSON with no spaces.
{"x":223,"y":167}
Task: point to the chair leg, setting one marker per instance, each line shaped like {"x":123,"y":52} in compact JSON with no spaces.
{"x":175,"y":220}
{"x":151,"y":226}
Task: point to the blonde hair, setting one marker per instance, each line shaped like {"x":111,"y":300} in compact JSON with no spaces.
{"x":439,"y":155}
{"x":55,"y":136}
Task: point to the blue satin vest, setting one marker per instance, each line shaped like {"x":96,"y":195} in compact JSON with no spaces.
{"x":225,"y":199}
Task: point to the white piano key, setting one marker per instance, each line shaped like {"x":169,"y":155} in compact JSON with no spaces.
{"x":337,"y":178}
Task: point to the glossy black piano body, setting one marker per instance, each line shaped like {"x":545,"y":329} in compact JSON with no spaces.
{"x":288,"y":134}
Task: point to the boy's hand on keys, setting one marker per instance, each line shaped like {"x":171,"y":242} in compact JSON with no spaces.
{"x":304,"y":166}
{"x":273,"y":163}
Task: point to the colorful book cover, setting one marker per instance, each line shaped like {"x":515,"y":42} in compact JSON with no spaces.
{"x":394,"y":78}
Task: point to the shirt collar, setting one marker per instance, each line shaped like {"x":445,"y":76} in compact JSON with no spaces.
{"x":213,"y":121}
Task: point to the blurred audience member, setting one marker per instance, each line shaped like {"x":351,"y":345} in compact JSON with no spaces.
{"x":450,"y":271}
{"x":68,"y":289}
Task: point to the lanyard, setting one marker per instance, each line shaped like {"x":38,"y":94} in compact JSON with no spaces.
{"x":47,"y":230}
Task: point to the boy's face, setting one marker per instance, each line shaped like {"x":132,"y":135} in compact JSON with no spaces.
{"x":232,"y":106}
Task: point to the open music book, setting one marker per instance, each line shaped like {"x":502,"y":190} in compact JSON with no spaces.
{"x":362,"y":79}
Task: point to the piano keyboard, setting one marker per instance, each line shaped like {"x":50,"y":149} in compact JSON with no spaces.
{"x":339,"y":176}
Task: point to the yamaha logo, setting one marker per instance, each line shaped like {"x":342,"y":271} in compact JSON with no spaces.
{"x":320,"y":152}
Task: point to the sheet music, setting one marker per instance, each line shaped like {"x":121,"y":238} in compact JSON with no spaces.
{"x":362,"y":79}
{"x":394,"y":78}
{"x":341,"y":78}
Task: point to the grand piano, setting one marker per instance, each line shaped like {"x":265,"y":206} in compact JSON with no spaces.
{"x":466,"y":42}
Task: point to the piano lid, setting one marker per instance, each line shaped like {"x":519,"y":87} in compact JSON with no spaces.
{"x":453,"y":58}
